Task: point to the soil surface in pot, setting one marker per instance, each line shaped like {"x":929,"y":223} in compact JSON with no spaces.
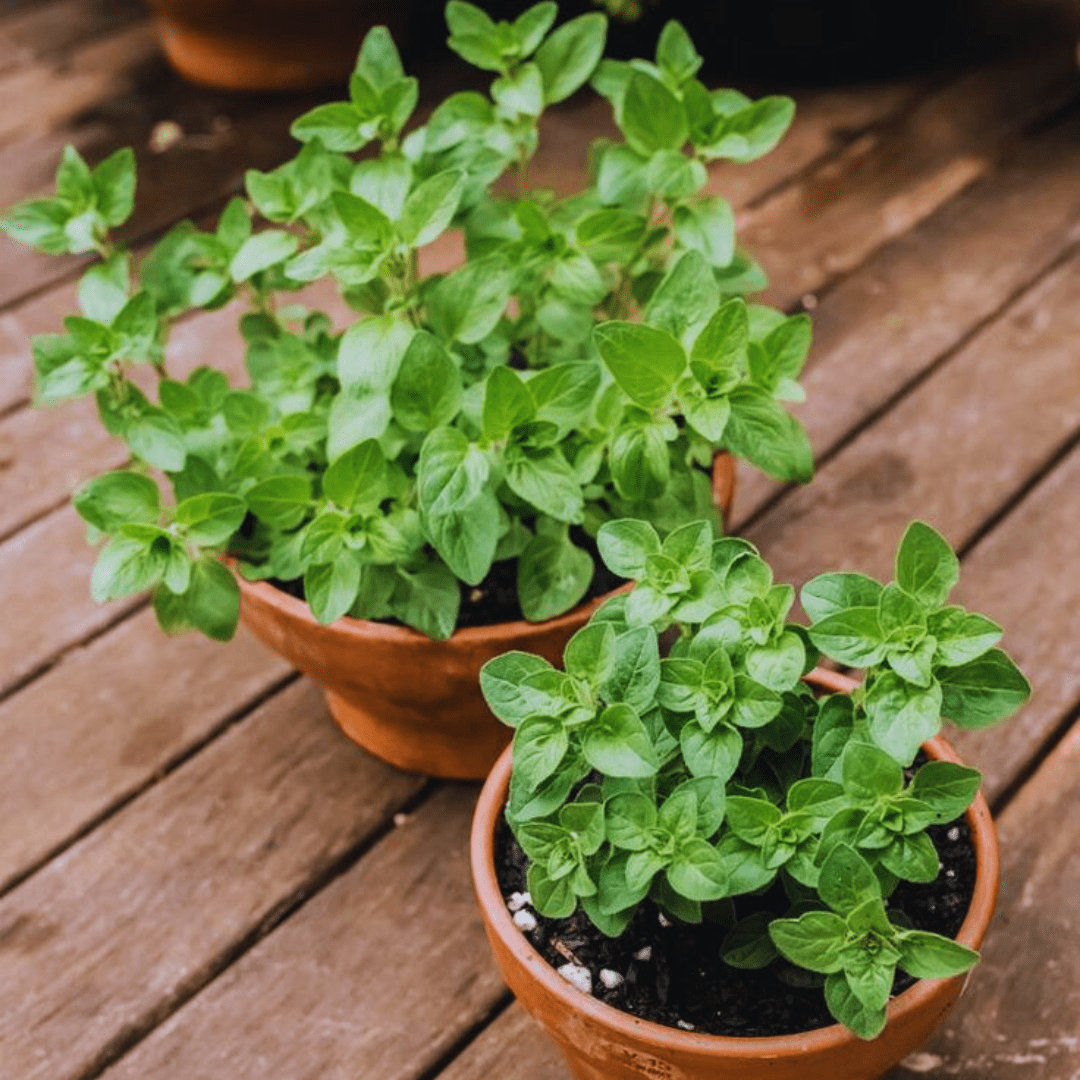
{"x":495,"y":599}
{"x":671,"y":973}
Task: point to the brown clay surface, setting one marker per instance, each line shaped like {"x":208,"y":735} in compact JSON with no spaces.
{"x":199,"y":877}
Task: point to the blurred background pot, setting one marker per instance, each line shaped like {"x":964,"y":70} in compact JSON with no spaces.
{"x":270,"y":44}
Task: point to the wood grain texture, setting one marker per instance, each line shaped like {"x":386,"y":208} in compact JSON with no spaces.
{"x":511,"y":1048}
{"x":952,"y":452}
{"x":896,"y":175}
{"x":1018,"y":1018}
{"x":50,"y":27}
{"x":924,"y":293}
{"x":143,"y":911}
{"x":106,"y":721}
{"x":376,"y":977}
{"x":45,"y":596}
{"x":1023,"y":576}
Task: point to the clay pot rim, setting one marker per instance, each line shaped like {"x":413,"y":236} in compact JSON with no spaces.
{"x":519,"y":629}
{"x":368,"y":629}
{"x":482,"y":843}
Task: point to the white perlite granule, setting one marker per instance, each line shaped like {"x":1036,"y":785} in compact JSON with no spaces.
{"x":578,"y":976}
{"x":525,"y":920}
{"x":611,"y":979}
{"x":644,"y":954}
{"x":518,"y":900}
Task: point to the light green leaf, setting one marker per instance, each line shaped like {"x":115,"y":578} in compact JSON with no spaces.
{"x":567,"y":58}
{"x":618,"y":744}
{"x":983,"y":691}
{"x":646,"y":362}
{"x":212,"y":602}
{"x":430,"y":207}
{"x":280,"y":501}
{"x":926,"y":565}
{"x":331,"y":588}
{"x":260,"y":252}
{"x":211,"y":518}
{"x":357,"y":479}
{"x":427,"y":392}
{"x":653,"y":118}
{"x":829,"y":593}
{"x":553,"y":576}
{"x":931,"y":956}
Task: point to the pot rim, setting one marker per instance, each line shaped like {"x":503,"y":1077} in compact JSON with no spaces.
{"x":482,"y":844}
{"x":293,"y":608}
{"x":288,"y":606}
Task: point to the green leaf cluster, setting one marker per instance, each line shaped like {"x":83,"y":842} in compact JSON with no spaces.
{"x":706,"y":777}
{"x":585,"y":363}
{"x":924,"y":657}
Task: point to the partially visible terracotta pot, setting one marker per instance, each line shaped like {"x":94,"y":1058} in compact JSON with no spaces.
{"x":602,"y":1043}
{"x":270,"y":44}
{"x":408,"y":700}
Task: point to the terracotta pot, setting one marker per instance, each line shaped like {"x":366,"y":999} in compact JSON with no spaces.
{"x":601,"y":1043}
{"x":408,"y":700}
{"x":270,"y":44}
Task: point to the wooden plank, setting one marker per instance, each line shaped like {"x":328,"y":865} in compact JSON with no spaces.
{"x":48,"y":28}
{"x":892,"y":178}
{"x":1019,"y":1015}
{"x":377,"y":977}
{"x":952,"y":451}
{"x":106,"y":721}
{"x":511,"y":1048}
{"x":45,"y":576}
{"x":138,"y":915}
{"x":923,"y":294}
{"x":46,"y":96}
{"x":1022,"y":575}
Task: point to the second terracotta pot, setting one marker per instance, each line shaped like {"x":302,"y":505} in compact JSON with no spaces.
{"x":602,"y":1043}
{"x":411,"y":701}
{"x":270,"y":44}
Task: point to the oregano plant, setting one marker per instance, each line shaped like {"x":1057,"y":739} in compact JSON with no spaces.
{"x":584,"y":363}
{"x":705,"y":777}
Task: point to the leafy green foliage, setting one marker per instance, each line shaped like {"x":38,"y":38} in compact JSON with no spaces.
{"x":714,"y":773}
{"x":585,"y":363}
{"x":926,"y":659}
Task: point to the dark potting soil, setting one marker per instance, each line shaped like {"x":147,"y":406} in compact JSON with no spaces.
{"x":684,"y":983}
{"x":495,"y":599}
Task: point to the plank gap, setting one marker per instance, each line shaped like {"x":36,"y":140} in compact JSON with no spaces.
{"x":50,"y":661}
{"x":1022,"y":492}
{"x":848,"y":137}
{"x":1042,"y":753}
{"x":128,"y":1038}
{"x":468,"y":1037}
{"x":174,"y":763}
{"x":851,"y":434}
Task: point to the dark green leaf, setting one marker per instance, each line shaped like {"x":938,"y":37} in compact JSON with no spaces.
{"x":567,"y":58}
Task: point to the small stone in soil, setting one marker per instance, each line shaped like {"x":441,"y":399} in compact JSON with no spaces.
{"x":685,"y":1025}
{"x":663,"y":920}
{"x":644,"y":953}
{"x":525,"y":920}
{"x":954,"y":834}
{"x":577,"y":975}
{"x":611,"y":979}
{"x":518,"y":900}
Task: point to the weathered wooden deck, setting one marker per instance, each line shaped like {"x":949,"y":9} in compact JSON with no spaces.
{"x":201,"y":878}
